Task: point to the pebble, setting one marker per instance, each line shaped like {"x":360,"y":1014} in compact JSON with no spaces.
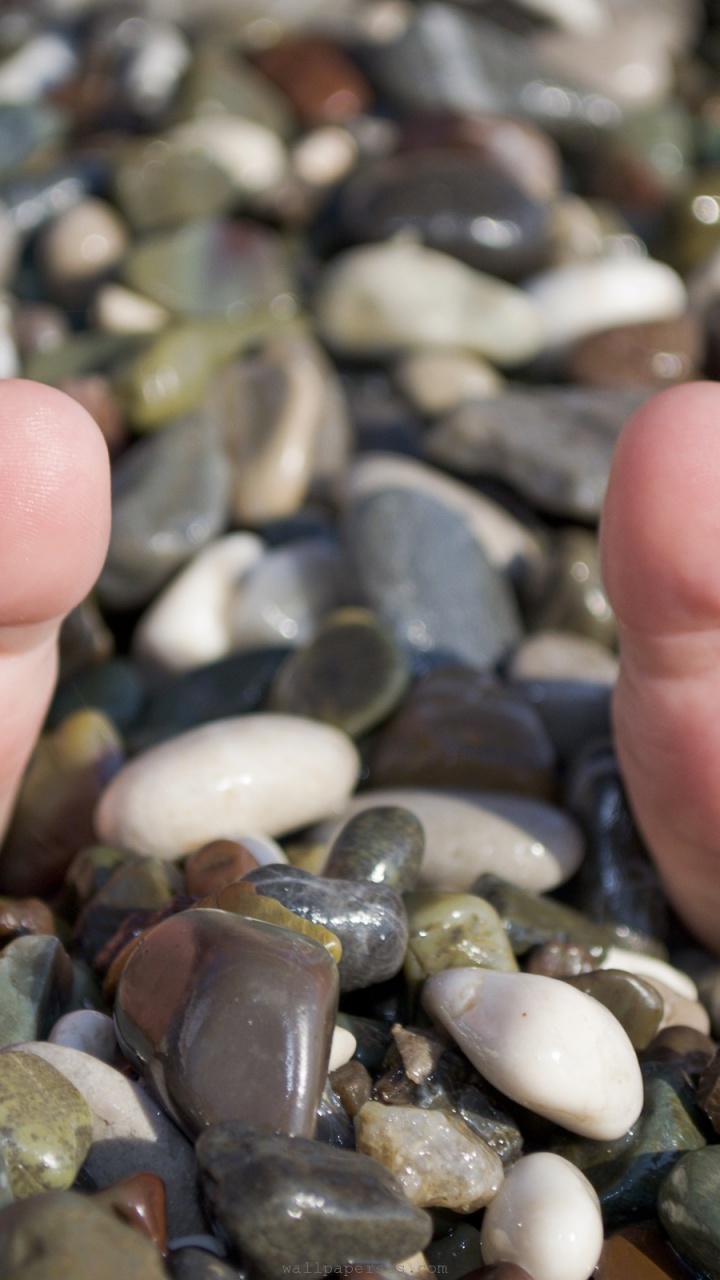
{"x":687,"y":1208}
{"x":639,"y":1250}
{"x":88,"y":1030}
{"x":568,"y":679}
{"x":656,"y":354}
{"x":342,"y":1048}
{"x":224,"y":777}
{"x":287,"y":594}
{"x":384,"y":845}
{"x":216,"y":865}
{"x":433,"y":1154}
{"x":291,"y":1202}
{"x":545,"y":1218}
{"x":454,"y":931}
{"x":140,"y":1202}
{"x":318,"y":78}
{"x":82,"y":245}
{"x":437,"y":381}
{"x":651,"y":967}
{"x":573,"y":595}
{"x":637,"y":1005}
{"x":117,"y":309}
{"x":36,"y":987}
{"x":45,"y":1123}
{"x":553,"y":1049}
{"x":211,"y":972}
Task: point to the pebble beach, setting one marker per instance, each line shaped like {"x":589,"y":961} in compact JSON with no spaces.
{"x":328,"y":942}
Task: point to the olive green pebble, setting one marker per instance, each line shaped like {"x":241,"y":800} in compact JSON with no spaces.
{"x":452,"y":930}
{"x":637,"y":1006}
{"x":45,"y":1126}
{"x":689,"y":1208}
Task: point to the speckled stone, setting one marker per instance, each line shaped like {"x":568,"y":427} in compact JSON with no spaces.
{"x":272,"y":1196}
{"x":384,"y":845}
{"x":636,"y":1004}
{"x":352,"y":674}
{"x":687,"y":1208}
{"x":435,"y":1156}
{"x":369,"y":919}
{"x":36,"y":985}
{"x":186,"y":999}
{"x":452,"y":931}
{"x":45,"y":1125}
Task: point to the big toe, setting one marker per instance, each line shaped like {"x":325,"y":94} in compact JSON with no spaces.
{"x":660,"y":537}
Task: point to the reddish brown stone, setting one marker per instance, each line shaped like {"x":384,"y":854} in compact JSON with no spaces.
{"x":216,"y":865}
{"x":639,"y":1252}
{"x":499,"y":1271}
{"x":321,"y":82}
{"x":558,"y":959}
{"x":694,"y":1049}
{"x":19,"y":916}
{"x":353,"y":1085}
{"x":140,"y":1202}
{"x":525,"y":153}
{"x":658,"y":354}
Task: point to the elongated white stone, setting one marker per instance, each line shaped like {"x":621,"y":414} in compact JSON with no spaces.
{"x":583,"y":297}
{"x":546,"y":1218}
{"x":543,"y":1043}
{"x":265,"y":772}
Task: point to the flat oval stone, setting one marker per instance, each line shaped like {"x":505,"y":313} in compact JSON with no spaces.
{"x":195,"y":1014}
{"x":384,"y":845}
{"x":469,"y":833}
{"x":45,"y":1125}
{"x":434,"y":1155}
{"x":545,"y":1218}
{"x":580,"y":298}
{"x":687,"y":1208}
{"x":553,"y":1049}
{"x":352,"y":674}
{"x":637,"y":1005}
{"x":294,"y":1202}
{"x":454,"y":931}
{"x":369,"y":919}
{"x":269,"y":772}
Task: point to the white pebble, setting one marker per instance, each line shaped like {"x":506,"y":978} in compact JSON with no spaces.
{"x":253,"y":157}
{"x":88,"y":1030}
{"x":268,"y":772}
{"x":342,"y":1048}
{"x":580,"y":298}
{"x":43,"y":63}
{"x":646,"y":966}
{"x":544,"y":1044}
{"x":264,"y":848}
{"x":546,"y":1218}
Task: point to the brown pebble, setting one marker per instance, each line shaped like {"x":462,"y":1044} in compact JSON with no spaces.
{"x":217,"y":865}
{"x":353,"y":1085}
{"x":140,"y":1202}
{"x":323,"y":85}
{"x":19,"y":916}
{"x":659,"y":354}
{"x":693,"y":1047}
{"x":113,"y":957}
{"x":559,"y":959}
{"x":639,"y":1252}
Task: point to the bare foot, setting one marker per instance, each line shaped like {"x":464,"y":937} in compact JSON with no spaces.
{"x":54,"y":528}
{"x":660,"y":537}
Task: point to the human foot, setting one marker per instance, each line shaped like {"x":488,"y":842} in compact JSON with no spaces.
{"x":660,"y":539}
{"x":54,"y":528}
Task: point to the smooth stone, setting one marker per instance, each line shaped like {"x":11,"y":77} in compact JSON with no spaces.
{"x":162,"y":182}
{"x":216,"y":865}
{"x":88,"y":1030}
{"x":89,"y":871}
{"x":540,"y":1042}
{"x":639,"y":1252}
{"x":454,"y":931}
{"x":231,"y":686}
{"x":52,"y":818}
{"x":678,"y":1011}
{"x":369,"y":919}
{"x":627,"y":1173}
{"x":252,"y":156}
{"x":708,"y":1091}
{"x":219,"y":80}
{"x":319,"y":79}
{"x":656,"y":354}
{"x":652,"y":968}
{"x":687,"y":1208}
{"x":694,"y":1049}
{"x":62,"y":1235}
{"x":438,"y":381}
{"x":558,"y":959}
{"x":20,"y":916}
{"x":456,"y":202}
{"x":187,"y":999}
{"x":263,"y":848}
{"x":192,"y":1260}
{"x":266,"y":772}
{"x":636,"y":1004}
{"x":140,"y":1202}
{"x":568,"y":679}
{"x":117,"y":309}
{"x":376,"y":300}
{"x":286,"y":595}
{"x":170,"y":498}
{"x":462,"y":729}
{"x":467,"y":834}
{"x":351,"y":1083}
{"x":81,"y":245}
{"x":351,"y":674}
{"x":46,"y":1125}
{"x":521,"y":437}
{"x":342,"y":1049}
{"x":186,"y":625}
{"x":130,"y":1133}
{"x":140,"y":884}
{"x":573,"y":596}
{"x":545,"y":1218}
{"x":578,"y":299}
{"x":26,"y":129}
{"x":434,"y":1155}
{"x":212,"y":267}
{"x":457,"y":1253}
{"x":292,"y":1202}
{"x":116,"y":688}
{"x":241,"y":899}
{"x":36,"y":987}
{"x":384,"y":845}
{"x":43,"y":63}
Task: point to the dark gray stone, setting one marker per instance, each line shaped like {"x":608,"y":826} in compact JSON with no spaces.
{"x":384,"y":845}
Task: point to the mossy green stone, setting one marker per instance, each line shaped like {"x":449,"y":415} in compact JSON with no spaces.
{"x":636,"y":1004}
{"x":36,"y":980}
{"x":689,"y":1209}
{"x":451,"y":931}
{"x":45,"y":1125}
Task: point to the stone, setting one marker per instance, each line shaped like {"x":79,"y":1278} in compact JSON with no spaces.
{"x":21,"y":916}
{"x":573,"y":596}
{"x":323,"y":84}
{"x":651,"y":967}
{"x":545,"y":1218}
{"x":130,"y":1133}
{"x":553,"y":444}
{"x":62,"y":1235}
{"x":351,"y":674}
{"x":80,"y":246}
{"x":457,"y":1254}
{"x":220,"y":80}
{"x":639,"y":1250}
{"x":241,"y":899}
{"x":216,"y":865}
{"x":369,"y":919}
{"x":214,"y":1044}
{"x":438,"y":381}
{"x":36,"y":987}
{"x":568,"y":679}
{"x":186,"y":625}
{"x":161,"y":182}
{"x":384,"y":845}
{"x":352,"y":1083}
{"x":687,"y":1208}
{"x":170,"y":498}
{"x":292,"y":1202}
{"x":463,"y":729}
{"x":269,"y":772}
{"x":558,"y":959}
{"x":454,"y":931}
{"x":117,"y":309}
{"x":434,"y":1155}
{"x":249,"y":154}
{"x":554,"y":1049}
{"x":88,"y":1030}
{"x":708,"y":1091}
{"x":46,"y":1125}
{"x":376,"y":300}
{"x":636,"y":1004}
{"x":470,"y":833}
{"x":287,"y":594}
{"x":658,"y":354}
{"x":342,"y":1049}
{"x":116,"y":688}
{"x":678,"y":1011}
{"x":191,"y":1263}
{"x":140,"y":1202}
{"x":140,"y":884}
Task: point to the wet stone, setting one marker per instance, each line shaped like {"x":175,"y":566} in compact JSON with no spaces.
{"x":271,"y":1196}
{"x":636,"y":1004}
{"x":573,"y":597}
{"x":457,"y":1253}
{"x":559,"y":960}
{"x":45,"y":1123}
{"x":568,"y":679}
{"x":708,"y":1091}
{"x":463,"y":729}
{"x":19,"y":916}
{"x":451,"y":931}
{"x":688,"y":1209}
{"x":369,"y":919}
{"x":287,"y":593}
{"x":241,"y":899}
{"x":143,"y":884}
{"x":216,"y":865}
{"x":384,"y":845}
{"x":639,"y":1252}
{"x":213,"y":975}
{"x":353,"y":1085}
{"x":352,"y":674}
{"x":139,"y":1201}
{"x":36,"y":986}
{"x":656,"y":354}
